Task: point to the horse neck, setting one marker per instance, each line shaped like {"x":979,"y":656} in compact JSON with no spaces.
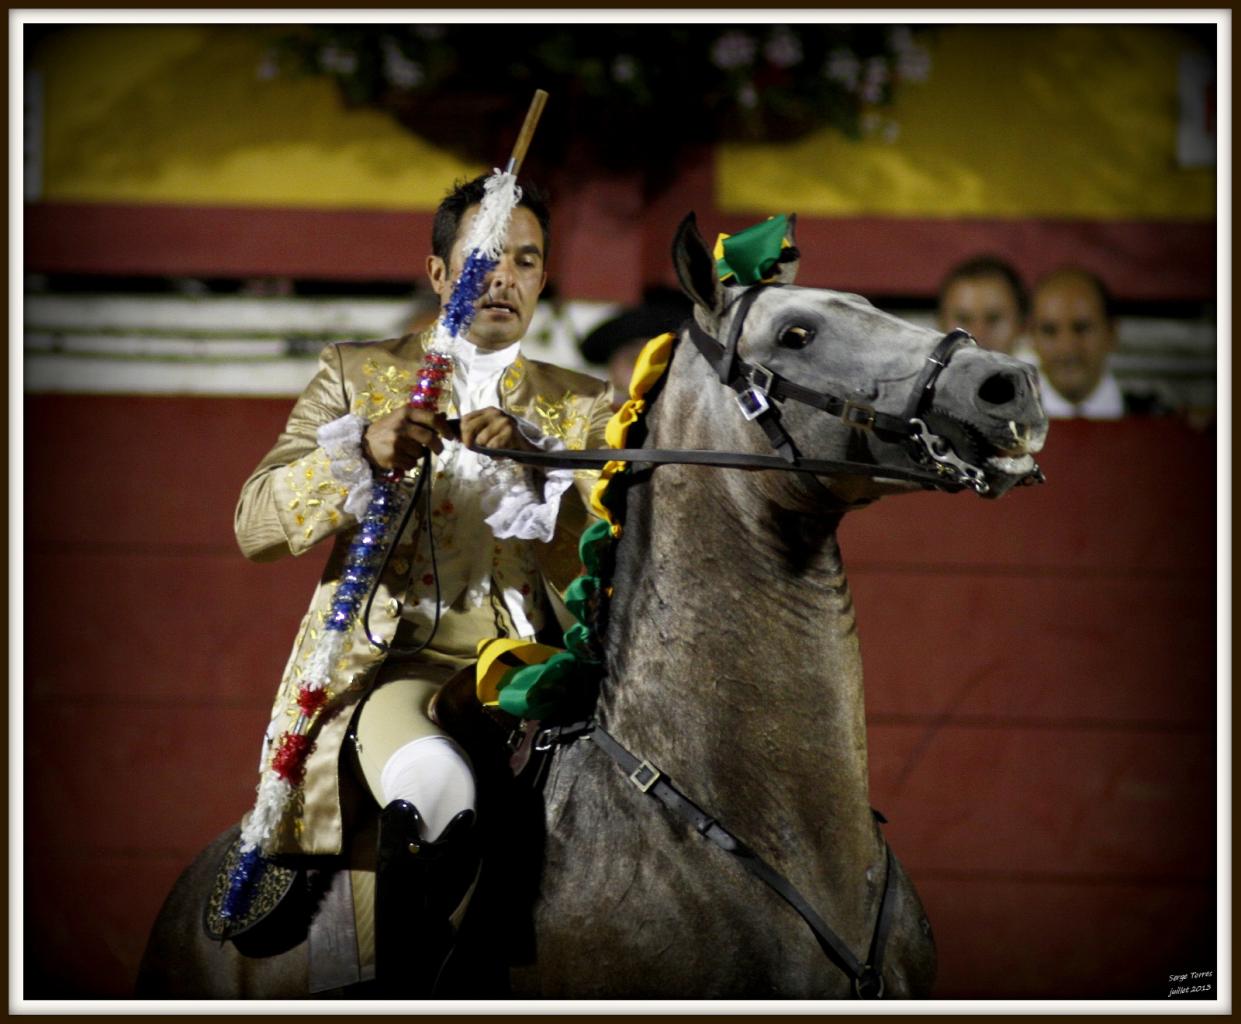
{"x":733,"y":656}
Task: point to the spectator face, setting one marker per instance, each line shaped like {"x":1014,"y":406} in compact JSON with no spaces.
{"x":512,"y":288}
{"x":986,"y":307}
{"x":1072,"y":336}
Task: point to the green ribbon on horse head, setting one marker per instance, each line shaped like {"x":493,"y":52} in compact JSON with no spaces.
{"x":749,"y":256}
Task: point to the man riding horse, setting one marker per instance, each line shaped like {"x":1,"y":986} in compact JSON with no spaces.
{"x":484,"y":556}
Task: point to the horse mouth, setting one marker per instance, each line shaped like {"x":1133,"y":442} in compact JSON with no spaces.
{"x":1010,"y":459}
{"x":1010,"y":465}
{"x":1013,"y":453}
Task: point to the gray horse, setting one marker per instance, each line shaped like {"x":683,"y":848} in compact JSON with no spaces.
{"x":733,"y":672}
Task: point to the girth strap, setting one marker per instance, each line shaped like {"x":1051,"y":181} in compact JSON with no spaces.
{"x":867,"y":977}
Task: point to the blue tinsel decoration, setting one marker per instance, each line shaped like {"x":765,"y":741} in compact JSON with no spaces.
{"x":360,"y":561}
{"x":237,"y":899}
{"x":459,"y":310}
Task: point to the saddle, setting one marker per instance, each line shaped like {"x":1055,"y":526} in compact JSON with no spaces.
{"x":456,"y":709}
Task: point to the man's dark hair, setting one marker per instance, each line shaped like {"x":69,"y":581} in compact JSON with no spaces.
{"x":1092,"y":279}
{"x":466,"y":194}
{"x":988,"y":266}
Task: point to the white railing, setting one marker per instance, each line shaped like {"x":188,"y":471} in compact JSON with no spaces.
{"x":258,"y":345}
{"x":235,"y":345}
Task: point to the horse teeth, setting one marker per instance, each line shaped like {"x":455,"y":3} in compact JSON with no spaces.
{"x":1006,"y":464}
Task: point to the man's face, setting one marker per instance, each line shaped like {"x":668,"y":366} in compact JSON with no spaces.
{"x":1072,"y":336}
{"x":984,"y":306}
{"x":511,"y":290}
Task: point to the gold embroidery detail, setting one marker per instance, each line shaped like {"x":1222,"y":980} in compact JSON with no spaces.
{"x":387,"y":389}
{"x":513,"y":375}
{"x":310,"y":481}
{"x":560,"y":419}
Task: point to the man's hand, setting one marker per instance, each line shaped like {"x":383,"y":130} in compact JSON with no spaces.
{"x":492,"y":428}
{"x":398,"y":440}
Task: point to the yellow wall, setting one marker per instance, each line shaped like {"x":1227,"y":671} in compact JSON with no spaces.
{"x":1014,"y":121}
{"x":178,"y":114}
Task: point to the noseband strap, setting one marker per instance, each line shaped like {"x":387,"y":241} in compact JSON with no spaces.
{"x":923,"y":393}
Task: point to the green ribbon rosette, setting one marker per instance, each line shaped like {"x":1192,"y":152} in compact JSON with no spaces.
{"x":749,"y":256}
{"x":540,"y":691}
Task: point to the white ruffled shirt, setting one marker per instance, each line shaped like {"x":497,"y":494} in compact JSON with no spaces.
{"x":484,"y":510}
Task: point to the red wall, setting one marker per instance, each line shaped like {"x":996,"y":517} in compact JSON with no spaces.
{"x":610,"y":239}
{"x":1040,"y":690}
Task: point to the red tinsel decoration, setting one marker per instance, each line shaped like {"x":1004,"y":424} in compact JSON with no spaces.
{"x":289,"y":761}
{"x":310,"y":701}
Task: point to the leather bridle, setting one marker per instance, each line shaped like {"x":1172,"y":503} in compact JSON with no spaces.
{"x":759,"y":392}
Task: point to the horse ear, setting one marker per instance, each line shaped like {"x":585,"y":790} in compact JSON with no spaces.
{"x":785,"y":270}
{"x":695,"y":267}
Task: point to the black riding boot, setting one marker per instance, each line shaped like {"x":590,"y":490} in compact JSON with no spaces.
{"x":418,"y":886}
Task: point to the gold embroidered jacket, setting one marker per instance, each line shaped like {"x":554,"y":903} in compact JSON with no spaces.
{"x":291,"y":502}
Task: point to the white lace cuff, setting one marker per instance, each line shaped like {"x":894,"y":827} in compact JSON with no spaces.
{"x":342,"y":441}
{"x":518,"y":501}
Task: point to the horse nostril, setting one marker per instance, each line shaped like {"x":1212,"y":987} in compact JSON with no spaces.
{"x":998,"y":389}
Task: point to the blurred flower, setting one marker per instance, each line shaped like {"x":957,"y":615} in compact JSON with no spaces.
{"x":624,"y":68}
{"x":783,"y":49}
{"x":891,"y":131}
{"x":430,"y":31}
{"x":341,"y":62}
{"x":747,"y":96}
{"x":733,"y":50}
{"x":844,"y":67}
{"x":873,"y":80}
{"x":913,"y":65}
{"x":398,"y":69}
{"x":901,"y":38}
{"x":269,"y":67}
{"x":871,"y":123}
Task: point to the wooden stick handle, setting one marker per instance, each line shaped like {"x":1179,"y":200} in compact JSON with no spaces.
{"x":527,"y":131}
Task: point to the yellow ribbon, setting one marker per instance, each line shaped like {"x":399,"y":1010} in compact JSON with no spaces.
{"x":500,"y":655}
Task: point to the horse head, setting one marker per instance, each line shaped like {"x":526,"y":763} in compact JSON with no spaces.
{"x":864,"y":402}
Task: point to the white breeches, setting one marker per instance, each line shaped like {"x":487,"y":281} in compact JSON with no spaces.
{"x":405,"y":756}
{"x":433,"y":774}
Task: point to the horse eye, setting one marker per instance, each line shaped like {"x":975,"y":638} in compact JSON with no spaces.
{"x":796,"y":337}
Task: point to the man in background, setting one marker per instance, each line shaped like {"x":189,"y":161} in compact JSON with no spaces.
{"x":984,"y":296}
{"x":1073,"y":331}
